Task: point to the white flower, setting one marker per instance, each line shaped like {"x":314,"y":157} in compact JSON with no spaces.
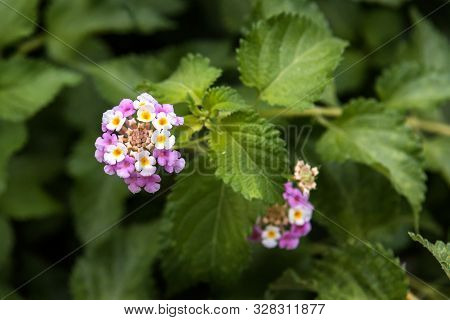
{"x":162,"y":122}
{"x":147,"y":97}
{"x":145,"y":163}
{"x":113,"y":120}
{"x":137,"y":104}
{"x":115,"y":153}
{"x":270,"y":236}
{"x":146,"y":114}
{"x":163,"y":140}
{"x":300,"y":214}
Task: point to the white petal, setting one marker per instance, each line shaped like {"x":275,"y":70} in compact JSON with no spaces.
{"x":269,"y":243}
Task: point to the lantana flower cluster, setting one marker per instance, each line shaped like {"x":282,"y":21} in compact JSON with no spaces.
{"x":283,"y":225}
{"x":136,"y":140}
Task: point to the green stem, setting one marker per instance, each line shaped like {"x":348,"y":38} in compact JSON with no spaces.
{"x":30,"y":45}
{"x":313,"y":112}
{"x":428,"y":126}
{"x":320,"y":113}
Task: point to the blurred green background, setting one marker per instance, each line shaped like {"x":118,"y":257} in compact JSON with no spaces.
{"x":63,"y":63}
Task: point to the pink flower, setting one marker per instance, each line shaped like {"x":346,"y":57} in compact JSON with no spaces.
{"x":166,"y":108}
{"x":110,"y":169}
{"x":126,"y":107}
{"x":151,"y":183}
{"x":178,"y":121}
{"x":294,"y":197}
{"x":101,"y":143}
{"x":256,"y":234}
{"x":105,"y":140}
{"x":301,"y":231}
{"x":289,"y":241}
{"x":125,"y":167}
{"x":134,"y":182}
{"x":170,"y":160}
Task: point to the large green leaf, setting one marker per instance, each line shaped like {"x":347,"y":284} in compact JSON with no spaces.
{"x":437,"y":155}
{"x":209,"y":225}
{"x":117,"y":79}
{"x":12,"y":138}
{"x":359,"y":210}
{"x":88,"y":18}
{"x":15,"y":23}
{"x":422,"y":80}
{"x":263,"y":9}
{"x":411,"y":86}
{"x":352,"y":271}
{"x":31,"y":200}
{"x":250,"y":156}
{"x":368,"y":134}
{"x":439,"y":250}
{"x":97,"y":200}
{"x":297,"y":71}
{"x":118,"y":268}
{"x":191,"y":79}
{"x":28,"y":85}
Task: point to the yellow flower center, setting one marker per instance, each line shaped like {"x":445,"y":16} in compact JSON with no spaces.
{"x":271,"y":234}
{"x":145,"y":115}
{"x":162,"y":121}
{"x":144,"y":161}
{"x":161,"y":138}
{"x":117,"y":152}
{"x":298,"y":215}
{"x":115,"y":121}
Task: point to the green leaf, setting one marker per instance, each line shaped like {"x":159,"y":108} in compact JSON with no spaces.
{"x":12,"y":138}
{"x":264,"y":9}
{"x":119,"y":268}
{"x":368,"y":134}
{"x":430,"y":47}
{"x":359,"y":209}
{"x":250,"y":156}
{"x":30,"y":201}
{"x":28,"y":85}
{"x":88,"y":18}
{"x":411,"y":86}
{"x":209,"y":225}
{"x":190,"y":81}
{"x":439,"y":250}
{"x":437,"y":155}
{"x":97,"y":200}
{"x":296,"y":73}
{"x":354,"y":271}
{"x":223,"y":101}
{"x":6,"y":241}
{"x":117,"y":79}
{"x":13,"y":25}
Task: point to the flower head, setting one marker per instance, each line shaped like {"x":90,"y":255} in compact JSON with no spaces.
{"x":305,"y":176}
{"x":136,"y":140}
{"x":284,"y":225}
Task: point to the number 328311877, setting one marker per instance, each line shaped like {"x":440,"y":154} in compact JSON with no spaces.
{"x":273,"y":308}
